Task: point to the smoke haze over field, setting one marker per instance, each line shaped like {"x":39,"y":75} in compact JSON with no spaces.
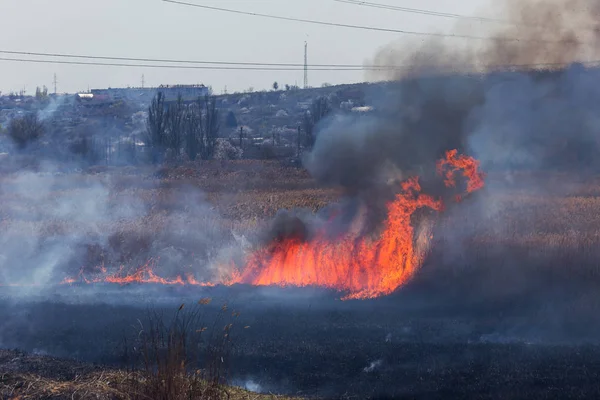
{"x":507,"y":120}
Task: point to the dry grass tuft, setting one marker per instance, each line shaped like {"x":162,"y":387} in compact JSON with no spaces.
{"x":111,"y":385}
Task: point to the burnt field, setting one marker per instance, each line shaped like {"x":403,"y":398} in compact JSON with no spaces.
{"x":321,"y":348}
{"x":504,"y":305}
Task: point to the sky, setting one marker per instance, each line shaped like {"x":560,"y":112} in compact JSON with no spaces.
{"x":156,"y":29}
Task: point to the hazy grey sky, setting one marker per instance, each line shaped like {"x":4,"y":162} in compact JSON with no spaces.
{"x":155,"y":29}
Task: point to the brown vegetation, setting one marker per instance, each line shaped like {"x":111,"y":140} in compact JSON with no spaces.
{"x":530,"y":214}
{"x":25,"y":376}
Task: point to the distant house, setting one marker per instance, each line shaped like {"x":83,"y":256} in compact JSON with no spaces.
{"x":364,"y":109}
{"x":93,"y":100}
{"x":171,"y":92}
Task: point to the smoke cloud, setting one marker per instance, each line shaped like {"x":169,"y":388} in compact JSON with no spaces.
{"x":534,"y":33}
{"x":58,"y":226}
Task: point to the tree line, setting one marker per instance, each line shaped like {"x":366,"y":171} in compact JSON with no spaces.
{"x":174,"y":130}
{"x":178,"y":128}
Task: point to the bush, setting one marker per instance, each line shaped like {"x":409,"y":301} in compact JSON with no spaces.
{"x":224,"y":150}
{"x":86,"y":149}
{"x":25,"y":130}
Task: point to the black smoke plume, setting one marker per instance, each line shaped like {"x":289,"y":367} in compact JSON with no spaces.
{"x":525,"y":99}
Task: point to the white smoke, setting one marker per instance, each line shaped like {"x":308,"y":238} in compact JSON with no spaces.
{"x":373,"y":366}
{"x":50,"y":109}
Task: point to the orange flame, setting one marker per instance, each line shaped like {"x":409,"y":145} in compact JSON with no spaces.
{"x":143,"y":274}
{"x":469,"y":166}
{"x":363,"y":267}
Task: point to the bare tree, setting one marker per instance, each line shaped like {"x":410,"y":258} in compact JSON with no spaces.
{"x":25,"y":130}
{"x":211,"y":123}
{"x":156,"y":126}
{"x":175,"y":125}
{"x":232,"y":121}
{"x":194,"y":140}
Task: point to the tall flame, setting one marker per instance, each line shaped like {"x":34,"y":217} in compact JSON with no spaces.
{"x":364,"y":267}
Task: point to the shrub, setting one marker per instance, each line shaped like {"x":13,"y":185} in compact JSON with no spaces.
{"x":25,"y":130}
{"x":224,"y":150}
{"x":172,"y":366}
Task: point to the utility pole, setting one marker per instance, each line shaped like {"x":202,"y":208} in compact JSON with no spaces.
{"x":143,"y":81}
{"x":305,"y":65}
{"x":55,"y":84}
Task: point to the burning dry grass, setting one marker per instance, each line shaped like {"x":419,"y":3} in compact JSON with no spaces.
{"x":128,"y":216}
{"x":531,"y":217}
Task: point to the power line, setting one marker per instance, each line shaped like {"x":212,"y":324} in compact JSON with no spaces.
{"x":217,"y":65}
{"x":219,"y":68}
{"x":445,"y":14}
{"x":421,"y":11}
{"x":258,"y":68}
{"x":63,"y":55}
{"x":363,"y":27}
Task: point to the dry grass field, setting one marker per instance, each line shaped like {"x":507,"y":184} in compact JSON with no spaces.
{"x":529,"y":216}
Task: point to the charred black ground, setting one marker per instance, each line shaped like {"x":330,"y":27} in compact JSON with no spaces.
{"x":424,"y":342}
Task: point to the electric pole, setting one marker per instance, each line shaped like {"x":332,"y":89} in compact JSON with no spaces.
{"x":143,"y":81}
{"x":305,"y":65}
{"x":55,"y":84}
